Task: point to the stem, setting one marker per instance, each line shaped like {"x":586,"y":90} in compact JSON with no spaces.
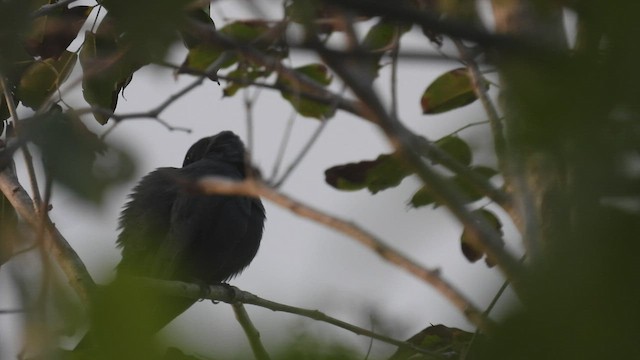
{"x":253,"y":335}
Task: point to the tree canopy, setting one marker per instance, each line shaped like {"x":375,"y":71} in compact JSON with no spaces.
{"x":555,"y":80}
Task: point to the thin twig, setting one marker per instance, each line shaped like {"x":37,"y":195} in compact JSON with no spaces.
{"x":252,"y":187}
{"x":480,"y":89}
{"x":294,"y":164}
{"x":253,"y":335}
{"x":486,"y":313}
{"x":28,"y":159}
{"x":394,"y":72}
{"x":470,"y":125}
{"x":312,"y":140}
{"x":499,"y":140}
{"x":283,"y":146}
{"x":231,"y":294}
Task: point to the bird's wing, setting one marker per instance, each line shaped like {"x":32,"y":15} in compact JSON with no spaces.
{"x":144,"y":222}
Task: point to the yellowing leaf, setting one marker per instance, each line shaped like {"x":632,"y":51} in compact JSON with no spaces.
{"x":469,"y":238}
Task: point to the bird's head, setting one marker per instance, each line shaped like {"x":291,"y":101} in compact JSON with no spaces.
{"x":225,"y":146}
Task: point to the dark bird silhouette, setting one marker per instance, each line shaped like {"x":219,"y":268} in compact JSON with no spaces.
{"x":170,"y":232}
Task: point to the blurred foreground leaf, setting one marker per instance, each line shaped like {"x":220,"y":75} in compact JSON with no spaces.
{"x":42,"y":78}
{"x":70,"y":152}
{"x":51,"y":34}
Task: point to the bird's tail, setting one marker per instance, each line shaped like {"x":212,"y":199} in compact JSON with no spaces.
{"x":124,"y":319}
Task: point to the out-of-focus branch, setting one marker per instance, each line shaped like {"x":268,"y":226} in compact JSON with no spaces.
{"x":497,"y":130}
{"x":66,"y":257}
{"x":49,"y":8}
{"x":231,"y":295}
{"x":28,"y":159}
{"x":399,"y":10}
{"x":252,"y":333}
{"x":252,"y":187}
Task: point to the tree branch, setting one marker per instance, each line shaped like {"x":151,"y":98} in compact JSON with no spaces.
{"x":252,"y":333}
{"x":231,"y":295}
{"x":255,"y":188}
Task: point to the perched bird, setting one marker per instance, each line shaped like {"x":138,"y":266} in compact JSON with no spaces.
{"x":171,"y":232}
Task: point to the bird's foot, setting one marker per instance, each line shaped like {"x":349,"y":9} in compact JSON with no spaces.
{"x":205,"y":290}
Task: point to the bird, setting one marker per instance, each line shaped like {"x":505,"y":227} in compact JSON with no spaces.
{"x":170,"y":232}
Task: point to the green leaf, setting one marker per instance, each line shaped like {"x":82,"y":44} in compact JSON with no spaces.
{"x":70,"y":152}
{"x":382,"y":173}
{"x":451,"y":90}
{"x":380,"y":36}
{"x":202,"y":16}
{"x":317,"y":73}
{"x":50,"y":35}
{"x":42,"y":78}
{"x":456,"y":148}
{"x":379,"y":40}
{"x":469,"y":241}
{"x":448,"y":341}
{"x":422,"y":197}
{"x":203,"y":54}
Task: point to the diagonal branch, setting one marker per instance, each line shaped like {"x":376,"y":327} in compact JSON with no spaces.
{"x":252,"y":333}
{"x":252,"y":187}
{"x":67,"y":258}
